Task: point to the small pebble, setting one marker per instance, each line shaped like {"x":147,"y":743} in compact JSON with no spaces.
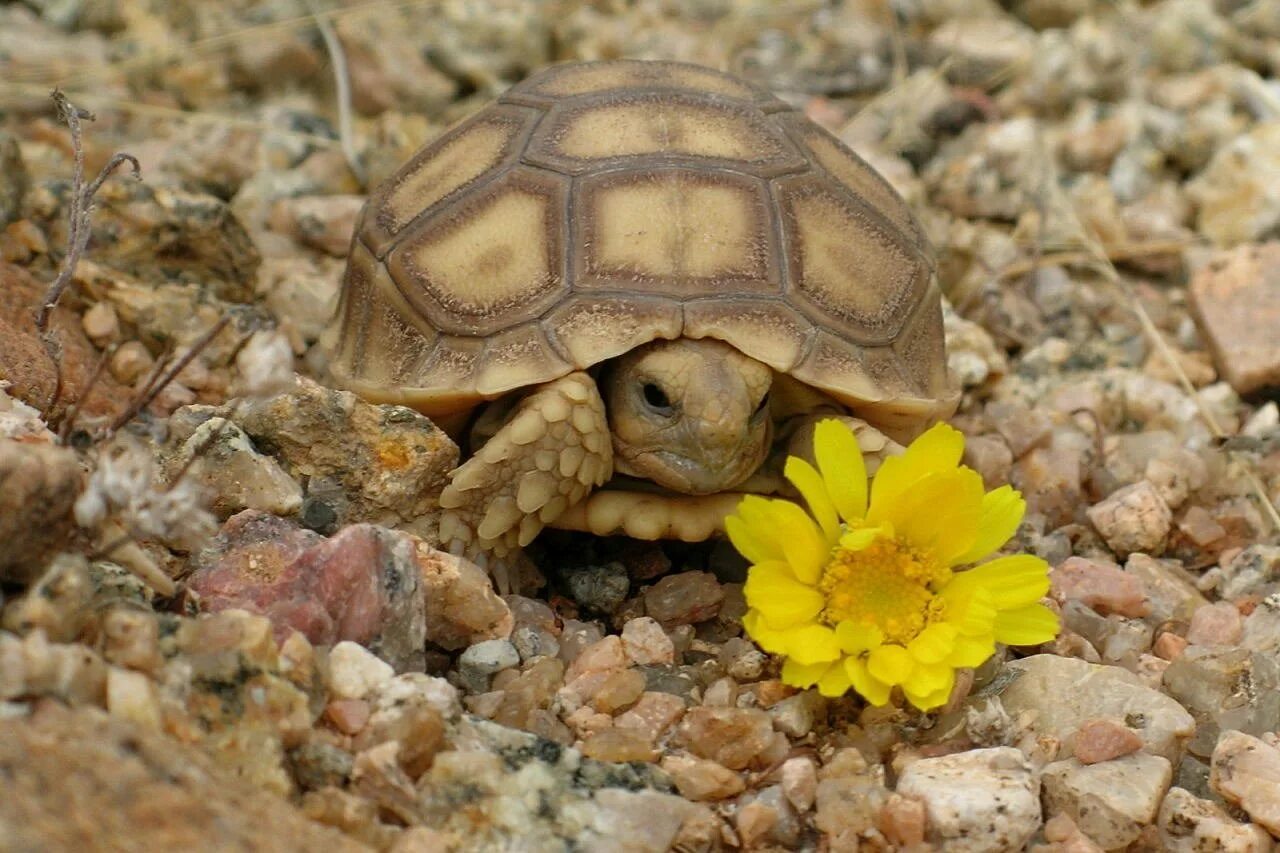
{"x":355,"y":672}
{"x":1103,"y":740}
{"x":1219,"y":623}
{"x":646,"y":642}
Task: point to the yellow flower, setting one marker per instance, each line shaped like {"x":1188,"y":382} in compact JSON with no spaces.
{"x":863,"y":592}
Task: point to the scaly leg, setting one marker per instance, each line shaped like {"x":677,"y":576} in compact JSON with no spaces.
{"x":548,"y":456}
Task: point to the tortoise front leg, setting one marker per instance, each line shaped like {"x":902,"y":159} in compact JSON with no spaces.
{"x":548,"y":456}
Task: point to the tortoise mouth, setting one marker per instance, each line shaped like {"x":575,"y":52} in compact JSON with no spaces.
{"x":688,"y":475}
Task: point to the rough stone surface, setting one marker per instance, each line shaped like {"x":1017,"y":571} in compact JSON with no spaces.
{"x":1111,"y":802}
{"x":1105,"y":587}
{"x":1103,"y":740}
{"x":1236,"y":298}
{"x":379,"y":463}
{"x":981,"y":800}
{"x":1063,"y":693}
{"x":77,"y":779}
{"x":462,"y":608}
{"x":1246,"y":773}
{"x":1134,"y":518}
{"x":25,"y":364}
{"x":1189,"y":824}
{"x":363,"y":584}
{"x":231,"y":469}
{"x":38,"y":487}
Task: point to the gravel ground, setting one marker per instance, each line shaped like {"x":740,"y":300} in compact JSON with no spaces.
{"x":225,"y":624}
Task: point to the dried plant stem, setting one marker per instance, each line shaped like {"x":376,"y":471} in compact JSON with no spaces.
{"x":73,"y":410}
{"x":342,"y":84}
{"x":81,"y":203}
{"x":118,"y":545}
{"x":1094,"y":251}
{"x":1114,"y":252}
{"x":205,"y":444}
{"x":158,"y":382}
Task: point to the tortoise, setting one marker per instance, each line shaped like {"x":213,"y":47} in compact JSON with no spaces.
{"x":650,"y":275}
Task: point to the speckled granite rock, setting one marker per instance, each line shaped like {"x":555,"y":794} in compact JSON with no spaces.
{"x":78,"y":780}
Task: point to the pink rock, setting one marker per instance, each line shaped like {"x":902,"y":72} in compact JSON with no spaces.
{"x":1236,"y":298}
{"x":348,"y":716}
{"x":1103,"y":740}
{"x":1169,"y":646}
{"x":653,"y":714}
{"x":1215,"y":624}
{"x":362,"y":584}
{"x":1105,"y":587}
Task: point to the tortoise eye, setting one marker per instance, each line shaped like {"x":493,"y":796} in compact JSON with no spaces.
{"x":656,"y":398}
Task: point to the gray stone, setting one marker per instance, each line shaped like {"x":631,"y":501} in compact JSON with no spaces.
{"x":235,"y":474}
{"x":1225,"y":687}
{"x":1062,"y":693}
{"x":482,"y":660}
{"x":981,"y":800}
{"x":601,"y":589}
{"x":1110,"y":801}
{"x":1254,"y":571}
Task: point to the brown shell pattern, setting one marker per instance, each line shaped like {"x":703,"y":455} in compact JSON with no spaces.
{"x":599,"y":206}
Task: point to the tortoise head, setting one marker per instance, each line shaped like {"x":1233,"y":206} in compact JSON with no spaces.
{"x":690,"y":415}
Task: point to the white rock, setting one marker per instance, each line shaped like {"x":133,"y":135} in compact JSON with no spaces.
{"x":236,"y":474}
{"x":132,"y":696}
{"x":1246,"y":772}
{"x":984,"y":800}
{"x":1189,"y":824}
{"x":1110,"y":801}
{"x":1062,"y":693}
{"x":355,"y":672}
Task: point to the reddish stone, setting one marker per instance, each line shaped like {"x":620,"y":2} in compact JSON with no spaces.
{"x":1103,"y":740}
{"x":1105,"y":587}
{"x":1236,"y":298}
{"x":25,"y":363}
{"x":362,"y":584}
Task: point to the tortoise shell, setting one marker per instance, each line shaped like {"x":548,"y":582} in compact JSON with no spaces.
{"x":598,"y":206}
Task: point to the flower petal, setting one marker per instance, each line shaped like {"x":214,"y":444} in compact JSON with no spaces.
{"x":937,"y":449}
{"x":971,"y":651}
{"x":868,"y":686}
{"x":856,"y":637}
{"x":753,"y":542}
{"x":1002,"y":511}
{"x":812,"y":644}
{"x":840,"y":460}
{"x":804,"y":547}
{"x":783,"y":600}
{"x":890,"y":664}
{"x":1013,"y":581}
{"x":835,"y":682}
{"x":809,"y":482}
{"x":968,"y":607}
{"x":770,"y":639}
{"x":938,"y":515}
{"x":932,"y":645}
{"x":927,"y":680}
{"x":936,"y":699}
{"x":1026,"y":626}
{"x":801,"y":675}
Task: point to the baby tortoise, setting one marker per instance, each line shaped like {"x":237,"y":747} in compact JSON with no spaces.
{"x":649,"y":275}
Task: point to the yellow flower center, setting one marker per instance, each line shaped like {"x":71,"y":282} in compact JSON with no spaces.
{"x":886,"y":584}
